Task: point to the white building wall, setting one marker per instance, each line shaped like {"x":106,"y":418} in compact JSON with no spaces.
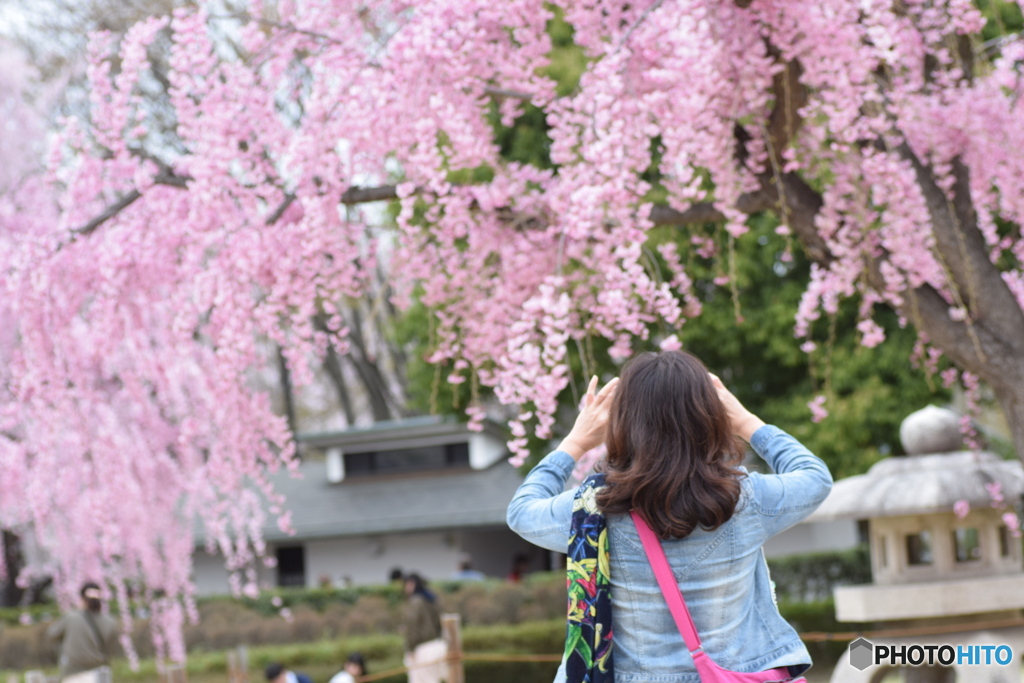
{"x":370,"y":559}
{"x":209,"y":573}
{"x":492,"y":551}
{"x":435,"y":555}
{"x":211,"y":578}
{"x":813,"y":537}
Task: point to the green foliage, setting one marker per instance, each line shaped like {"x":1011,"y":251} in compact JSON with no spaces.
{"x":745,"y":333}
{"x":1004,"y":18}
{"x":11,"y":616}
{"x":317,"y":599}
{"x":811,"y":577}
{"x":746,"y":336}
{"x":567,"y":59}
{"x":428,"y":388}
{"x":526,"y":141}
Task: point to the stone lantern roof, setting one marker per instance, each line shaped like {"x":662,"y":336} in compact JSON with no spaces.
{"x":935,"y":474}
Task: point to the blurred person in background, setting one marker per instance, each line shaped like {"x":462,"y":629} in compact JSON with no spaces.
{"x":466,"y":571}
{"x":355,"y":666}
{"x":425,"y":649}
{"x":278,"y":673}
{"x":88,"y":639}
{"x":520,"y":566}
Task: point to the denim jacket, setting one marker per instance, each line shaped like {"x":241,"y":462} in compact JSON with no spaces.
{"x":722,"y":573}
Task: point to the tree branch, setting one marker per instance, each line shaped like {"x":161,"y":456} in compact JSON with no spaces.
{"x":162,"y":178}
{"x":111,"y":211}
{"x":502,"y":92}
{"x":279,"y":211}
{"x":963,"y":251}
{"x":292,"y":28}
{"x":364,"y":195}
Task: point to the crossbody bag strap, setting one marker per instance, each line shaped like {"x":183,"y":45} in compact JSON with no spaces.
{"x":667,"y":583}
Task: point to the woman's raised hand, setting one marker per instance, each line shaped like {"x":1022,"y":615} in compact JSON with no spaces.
{"x":592,"y":422}
{"x":744,"y":423}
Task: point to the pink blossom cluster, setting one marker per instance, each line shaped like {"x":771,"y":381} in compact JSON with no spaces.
{"x":129,"y":423}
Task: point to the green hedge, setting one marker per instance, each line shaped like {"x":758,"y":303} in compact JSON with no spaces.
{"x":820,"y":617}
{"x":323,"y":658}
{"x":497,"y":617}
{"x":11,"y":616}
{"x":811,"y":577}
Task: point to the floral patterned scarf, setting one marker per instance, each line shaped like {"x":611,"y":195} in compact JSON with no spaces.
{"x":588,"y":638}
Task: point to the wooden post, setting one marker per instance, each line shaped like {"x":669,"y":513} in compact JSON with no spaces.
{"x":451,"y":627}
{"x":238,"y":665}
{"x":174,"y":673}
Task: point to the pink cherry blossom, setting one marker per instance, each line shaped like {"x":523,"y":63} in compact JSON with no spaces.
{"x":670,"y":343}
{"x":1012,"y":522}
{"x":159,"y":252}
{"x":818,"y":410}
{"x":995,"y":492}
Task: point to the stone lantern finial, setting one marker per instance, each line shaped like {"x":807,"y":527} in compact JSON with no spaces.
{"x":931,"y":430}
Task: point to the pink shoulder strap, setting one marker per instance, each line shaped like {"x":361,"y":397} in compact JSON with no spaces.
{"x":667,"y":583}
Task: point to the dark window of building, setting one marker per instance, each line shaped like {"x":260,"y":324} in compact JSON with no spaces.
{"x":358,"y":463}
{"x":919,"y":548}
{"x":966,"y":546}
{"x":1004,"y":541}
{"x":422,"y":459}
{"x":863,"y":531}
{"x":291,"y":566}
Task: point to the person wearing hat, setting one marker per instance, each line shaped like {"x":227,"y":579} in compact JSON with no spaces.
{"x":88,"y":639}
{"x":279,"y":673}
{"x":466,"y":571}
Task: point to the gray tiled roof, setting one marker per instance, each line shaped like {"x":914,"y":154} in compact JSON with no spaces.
{"x":413,"y":502}
{"x":397,"y":433}
{"x":921,"y":484}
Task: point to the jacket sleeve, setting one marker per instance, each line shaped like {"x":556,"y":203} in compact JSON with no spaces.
{"x":111,"y":638}
{"x":422,"y":623}
{"x":541,"y":511}
{"x":56,"y":630}
{"x":800,"y":483}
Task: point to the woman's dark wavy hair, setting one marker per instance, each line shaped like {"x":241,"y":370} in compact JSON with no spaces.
{"x":671,"y":452}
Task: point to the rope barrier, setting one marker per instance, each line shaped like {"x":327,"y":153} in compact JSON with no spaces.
{"x":499,"y":657}
{"x":387,"y":673}
{"x":820,"y":636}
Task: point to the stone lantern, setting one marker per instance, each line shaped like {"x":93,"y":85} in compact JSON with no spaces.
{"x":945,"y":574}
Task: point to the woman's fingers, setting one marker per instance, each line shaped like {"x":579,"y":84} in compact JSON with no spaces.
{"x":590,"y":394}
{"x":594,"y":397}
{"x":608,"y":389}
